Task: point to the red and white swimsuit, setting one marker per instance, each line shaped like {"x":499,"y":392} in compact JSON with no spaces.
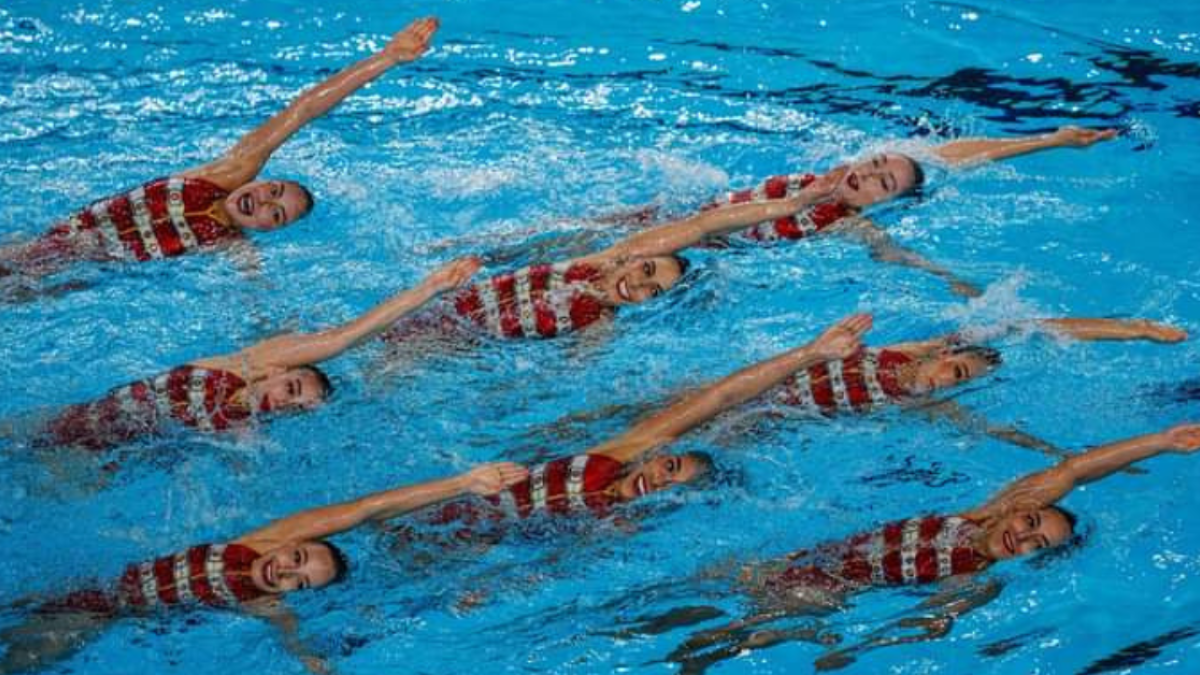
{"x":216,"y":575}
{"x":806,"y":223}
{"x":164,"y":218}
{"x":208,"y":400}
{"x":914,"y":551}
{"x":568,"y":486}
{"x":540,"y":301}
{"x":860,"y":383}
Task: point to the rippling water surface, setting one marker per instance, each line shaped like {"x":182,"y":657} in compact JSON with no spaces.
{"x":525,"y":118}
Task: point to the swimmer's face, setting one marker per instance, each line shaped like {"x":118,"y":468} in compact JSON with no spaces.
{"x":296,"y":389}
{"x":659,"y":473}
{"x":267,"y":204}
{"x":948,"y":370}
{"x":294,"y":567}
{"x":641,"y":279}
{"x":1027,"y":532}
{"x":876,"y":180}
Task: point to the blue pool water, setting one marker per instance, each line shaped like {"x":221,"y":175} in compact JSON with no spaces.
{"x":525,"y":118}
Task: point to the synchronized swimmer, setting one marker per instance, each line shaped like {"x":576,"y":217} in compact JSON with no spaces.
{"x":228,"y":392}
{"x":249,"y":573}
{"x":210,"y":206}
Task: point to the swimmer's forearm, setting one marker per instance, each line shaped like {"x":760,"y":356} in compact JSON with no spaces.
{"x":678,"y":235}
{"x":290,"y":351}
{"x":708,"y":402}
{"x":976,"y":150}
{"x":969,"y":151}
{"x":1113,"y":329}
{"x":1104,"y":460}
{"x":327,"y":521}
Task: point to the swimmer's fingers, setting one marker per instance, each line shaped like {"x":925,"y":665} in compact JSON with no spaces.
{"x":826,"y":185}
{"x":1183,"y":438}
{"x":489,"y":479}
{"x":1161,"y":332}
{"x":412,"y":42}
{"x":844,"y":337}
{"x":1080,"y":137}
{"x":454,"y":273}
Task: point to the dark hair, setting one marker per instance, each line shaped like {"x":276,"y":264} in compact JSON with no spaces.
{"x":682,"y":262}
{"x":308,"y":196}
{"x":989,"y":355}
{"x":918,"y":175}
{"x":341,"y":564}
{"x":1071,"y":518}
{"x":706,"y":468}
{"x":326,"y":383}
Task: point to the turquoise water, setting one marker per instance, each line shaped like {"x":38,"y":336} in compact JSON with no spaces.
{"x":523,"y":120}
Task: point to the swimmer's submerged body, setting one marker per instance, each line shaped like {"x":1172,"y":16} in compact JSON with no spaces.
{"x":250,"y":573}
{"x":210,"y":206}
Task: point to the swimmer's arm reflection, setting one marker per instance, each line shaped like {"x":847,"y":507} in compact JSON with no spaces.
{"x":285,"y":621}
{"x":884,"y":248}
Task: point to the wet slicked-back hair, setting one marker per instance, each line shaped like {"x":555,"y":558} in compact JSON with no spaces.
{"x":991,"y":356}
{"x":918,"y":175}
{"x":683,"y":263}
{"x":341,"y":564}
{"x":309,"y":198}
{"x":326,"y":383}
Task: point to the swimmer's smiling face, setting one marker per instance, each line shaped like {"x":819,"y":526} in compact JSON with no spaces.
{"x":295,"y":389}
{"x":294,"y":567}
{"x":877,"y":179}
{"x":659,"y":473}
{"x":267,"y":205}
{"x":1026,"y":532}
{"x":642,"y":279}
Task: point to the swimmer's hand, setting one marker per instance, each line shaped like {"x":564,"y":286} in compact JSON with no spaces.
{"x":1078,"y":137}
{"x":411,"y":43}
{"x":453,"y":274}
{"x":489,"y":479}
{"x":1160,"y":332}
{"x":316,"y":665}
{"x":1184,"y":438}
{"x":842,"y":339}
{"x":826,"y":186}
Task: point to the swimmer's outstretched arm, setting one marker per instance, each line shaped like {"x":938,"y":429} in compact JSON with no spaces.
{"x":677,"y":235}
{"x":243,"y":162}
{"x":1095,"y":330}
{"x":314,"y":524}
{"x":1083,"y":329}
{"x":885,"y":249}
{"x":301,"y":349}
{"x":1044,"y":488}
{"x":970,"y":151}
{"x":839,"y":341}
